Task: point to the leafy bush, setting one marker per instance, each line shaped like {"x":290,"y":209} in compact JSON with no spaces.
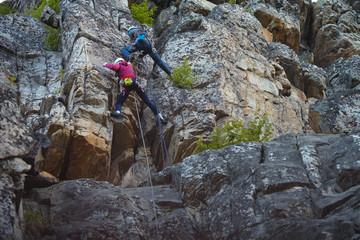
{"x":6,"y":9}
{"x":259,"y":130}
{"x":12,"y":79}
{"x":54,"y":4}
{"x":53,"y":41}
{"x":183,"y":76}
{"x":34,"y":220}
{"x":35,"y":11}
{"x":142,"y":13}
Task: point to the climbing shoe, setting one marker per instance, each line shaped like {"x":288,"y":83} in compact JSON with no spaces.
{"x":162,"y":119}
{"x":115,"y":113}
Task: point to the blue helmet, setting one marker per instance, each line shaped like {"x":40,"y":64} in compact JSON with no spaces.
{"x":130,"y":28}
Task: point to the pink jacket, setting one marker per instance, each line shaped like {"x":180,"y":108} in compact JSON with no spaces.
{"x":122,"y":69}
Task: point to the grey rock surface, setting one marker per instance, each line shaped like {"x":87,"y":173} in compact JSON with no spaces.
{"x":339,"y":112}
{"x":54,"y":116}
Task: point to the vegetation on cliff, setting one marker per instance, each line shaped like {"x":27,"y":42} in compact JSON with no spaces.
{"x":142,"y":13}
{"x":235,"y":131}
{"x":53,"y":41}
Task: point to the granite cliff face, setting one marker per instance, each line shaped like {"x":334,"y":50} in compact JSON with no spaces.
{"x":296,"y":60}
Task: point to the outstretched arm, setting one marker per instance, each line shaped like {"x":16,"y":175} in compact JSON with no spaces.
{"x":113,"y":67}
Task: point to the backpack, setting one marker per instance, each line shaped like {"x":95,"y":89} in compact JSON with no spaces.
{"x":142,"y":35}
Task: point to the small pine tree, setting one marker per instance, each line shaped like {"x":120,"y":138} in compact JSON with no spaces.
{"x":53,"y":41}
{"x":54,"y":4}
{"x":183,"y":76}
{"x":258,"y":130}
{"x":142,"y":13}
{"x":35,"y":11}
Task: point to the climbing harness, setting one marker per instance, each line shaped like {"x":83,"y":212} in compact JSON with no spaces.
{"x":128,"y":81}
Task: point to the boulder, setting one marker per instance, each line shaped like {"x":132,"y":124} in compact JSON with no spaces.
{"x":12,"y":179}
{"x":253,"y":191}
{"x":338,"y":112}
{"x":201,"y":7}
{"x":333,"y":31}
{"x":289,"y":60}
{"x":344,"y":74}
{"x":283,"y":28}
{"x":315,"y":80}
{"x":332,"y":43}
{"x":99,"y":209}
{"x":50,"y":17}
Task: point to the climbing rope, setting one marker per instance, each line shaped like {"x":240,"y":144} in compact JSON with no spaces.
{"x":162,"y":139}
{"x":163,"y":145}
{"x":148,"y":167}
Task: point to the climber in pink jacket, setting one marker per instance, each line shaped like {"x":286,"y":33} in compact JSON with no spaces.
{"x":128,"y":81}
{"x":122,"y":68}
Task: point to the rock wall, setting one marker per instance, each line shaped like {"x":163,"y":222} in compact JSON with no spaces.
{"x":339,"y":112}
{"x":335,"y":31}
{"x":298,"y":186}
{"x":236,"y":76}
{"x":254,"y":54}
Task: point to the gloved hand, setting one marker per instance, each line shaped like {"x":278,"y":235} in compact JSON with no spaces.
{"x":104,"y":64}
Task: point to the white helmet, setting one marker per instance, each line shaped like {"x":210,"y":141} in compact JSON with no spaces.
{"x":130,"y":28}
{"x":118,"y":60}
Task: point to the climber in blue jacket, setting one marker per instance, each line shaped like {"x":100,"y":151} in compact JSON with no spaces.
{"x":140,"y":41}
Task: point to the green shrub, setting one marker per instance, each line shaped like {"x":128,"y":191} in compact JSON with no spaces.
{"x":12,"y":79}
{"x":232,"y":2}
{"x":53,"y":41}
{"x":6,"y":9}
{"x":183,"y":76}
{"x":54,"y":4}
{"x":34,"y":220}
{"x":142,"y":13}
{"x":35,"y":11}
{"x":61,"y":74}
{"x":259,"y":130}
